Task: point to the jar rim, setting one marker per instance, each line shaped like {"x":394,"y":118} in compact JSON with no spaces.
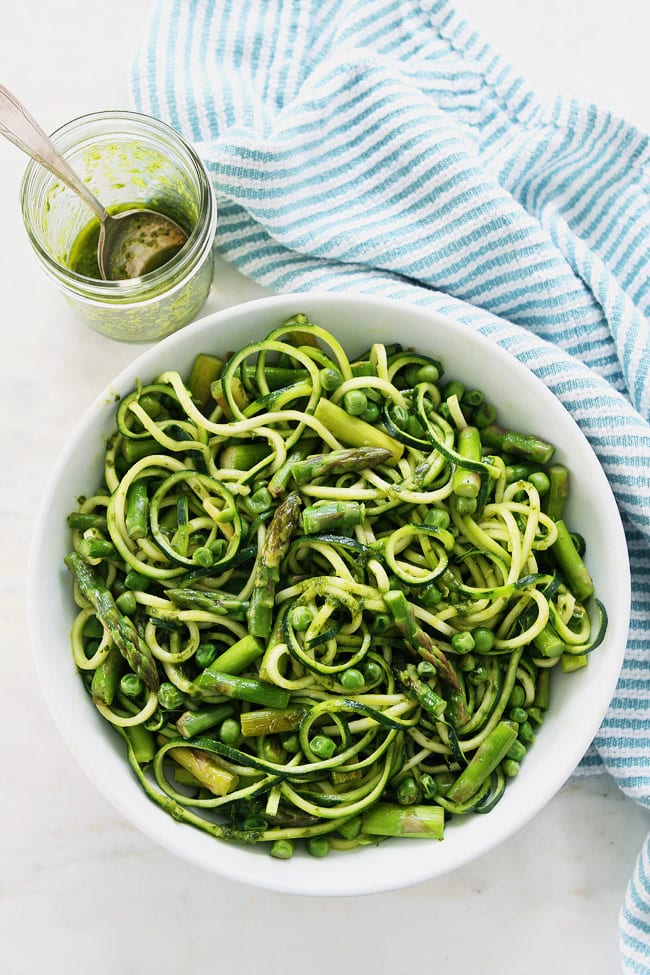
{"x":178,"y":267}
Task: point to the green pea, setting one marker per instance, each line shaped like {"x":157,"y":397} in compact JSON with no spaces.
{"x":425,"y":668}
{"x":205,"y":654}
{"x":131,"y":686}
{"x":510,"y":768}
{"x":355,"y":402}
{"x":372,"y":672}
{"x":540,"y":481}
{"x":203,"y":556}
{"x":126,"y":603}
{"x":454,"y":388}
{"x":322,"y":746}
{"x":483,"y":639}
{"x":330,"y":379}
{"x":317,"y":846}
{"x":282,"y":850}
{"x":437,"y":518}
{"x":229,"y":731}
{"x":517,"y":751}
{"x":352,"y":679}
{"x":169,"y":697}
{"x":520,"y":715}
{"x":407,"y":791}
{"x":526,"y":732}
{"x":463,"y":642}
{"x":301,"y":618}
{"x":431,"y":596}
{"x":427,"y":374}
{"x":371,"y":413}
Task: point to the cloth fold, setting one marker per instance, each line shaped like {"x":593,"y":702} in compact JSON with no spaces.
{"x":384,"y":147}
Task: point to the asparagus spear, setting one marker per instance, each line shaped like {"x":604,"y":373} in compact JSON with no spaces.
{"x":220,"y":605}
{"x":354,"y":431}
{"x":239,"y":656}
{"x":418,"y":640}
{"x":510,"y":442}
{"x":558,"y":476}
{"x":242,"y":689}
{"x":338,"y":462}
{"x":267,"y":572}
{"x":219,"y":781}
{"x":425,"y":695}
{"x":467,"y":483}
{"x":106,"y":677}
{"x":571,"y":564}
{"x":193,"y":723}
{"x":205,"y":369}
{"x":278,"y":483}
{"x":492,"y":750}
{"x":81,"y":522}
{"x":137,"y":509}
{"x":331,"y":515}
{"x":391,"y":819}
{"x":271,"y":721}
{"x":136,"y":653}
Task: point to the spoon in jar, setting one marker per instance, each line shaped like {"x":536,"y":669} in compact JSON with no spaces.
{"x":131,"y":243}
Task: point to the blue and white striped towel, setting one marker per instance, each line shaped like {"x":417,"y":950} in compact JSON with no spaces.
{"x":382,"y":146}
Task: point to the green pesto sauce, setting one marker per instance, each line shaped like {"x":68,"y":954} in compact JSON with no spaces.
{"x":83,"y":252}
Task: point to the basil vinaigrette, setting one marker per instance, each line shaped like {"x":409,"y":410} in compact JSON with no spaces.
{"x":83,"y":252}
{"x":129,"y":161}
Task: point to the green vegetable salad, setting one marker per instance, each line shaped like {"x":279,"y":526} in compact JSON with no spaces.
{"x":321,"y":597}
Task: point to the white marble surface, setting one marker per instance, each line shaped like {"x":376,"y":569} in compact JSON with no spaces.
{"x":80,"y":889}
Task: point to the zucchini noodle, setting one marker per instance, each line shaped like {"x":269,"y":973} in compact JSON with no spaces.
{"x":321,"y":597}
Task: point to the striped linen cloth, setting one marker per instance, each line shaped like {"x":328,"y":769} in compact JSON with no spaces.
{"x":381,"y":146}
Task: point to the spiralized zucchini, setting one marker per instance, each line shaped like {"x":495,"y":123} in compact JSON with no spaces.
{"x":320,"y":597}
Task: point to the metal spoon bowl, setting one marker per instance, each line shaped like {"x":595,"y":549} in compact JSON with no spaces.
{"x":131,"y":243}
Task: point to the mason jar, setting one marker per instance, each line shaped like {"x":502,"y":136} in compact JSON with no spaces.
{"x":126,"y":159}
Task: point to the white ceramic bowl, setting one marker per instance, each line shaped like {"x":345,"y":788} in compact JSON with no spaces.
{"x":579,"y":701}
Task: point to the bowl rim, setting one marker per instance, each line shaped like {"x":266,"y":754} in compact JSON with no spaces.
{"x":161,"y":828}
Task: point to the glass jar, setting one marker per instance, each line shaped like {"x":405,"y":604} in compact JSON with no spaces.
{"x":126,"y":159}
